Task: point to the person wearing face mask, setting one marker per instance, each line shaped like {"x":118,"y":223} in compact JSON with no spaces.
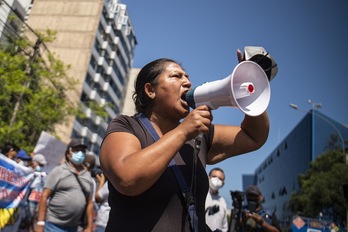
{"x":23,"y":158}
{"x":69,"y":188}
{"x":255,"y":217}
{"x":215,"y":205}
{"x":36,"y":187}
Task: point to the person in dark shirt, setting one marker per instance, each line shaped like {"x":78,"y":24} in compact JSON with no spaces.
{"x":256,"y":218}
{"x":144,"y":192}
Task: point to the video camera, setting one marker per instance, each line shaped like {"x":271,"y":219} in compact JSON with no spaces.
{"x":237,"y":199}
{"x":238,"y":209}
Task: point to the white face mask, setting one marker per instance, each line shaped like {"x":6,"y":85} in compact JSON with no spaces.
{"x":215,"y":183}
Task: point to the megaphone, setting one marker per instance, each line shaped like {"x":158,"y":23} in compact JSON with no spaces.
{"x":247,"y":88}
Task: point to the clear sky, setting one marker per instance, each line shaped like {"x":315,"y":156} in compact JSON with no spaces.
{"x":308,"y":39}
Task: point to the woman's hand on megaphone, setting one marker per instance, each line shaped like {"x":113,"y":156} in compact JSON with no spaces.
{"x":240,"y":56}
{"x":197,"y":121}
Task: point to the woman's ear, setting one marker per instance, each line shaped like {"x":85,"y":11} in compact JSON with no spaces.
{"x":150,"y":90}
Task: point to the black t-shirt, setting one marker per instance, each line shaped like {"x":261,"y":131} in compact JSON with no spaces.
{"x":161,"y":207}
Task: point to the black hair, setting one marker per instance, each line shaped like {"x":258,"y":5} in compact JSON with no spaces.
{"x":216,"y":169}
{"x":148,"y":74}
{"x":8,"y":146}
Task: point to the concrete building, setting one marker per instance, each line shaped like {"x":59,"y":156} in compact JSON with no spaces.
{"x":277,"y":175}
{"x":96,"y":38}
{"x":20,"y":9}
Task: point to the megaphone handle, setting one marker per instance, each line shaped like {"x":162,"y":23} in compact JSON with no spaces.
{"x":198,"y":141}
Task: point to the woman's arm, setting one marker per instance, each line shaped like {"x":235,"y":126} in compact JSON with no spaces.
{"x":230,"y":141}
{"x":133,"y":170}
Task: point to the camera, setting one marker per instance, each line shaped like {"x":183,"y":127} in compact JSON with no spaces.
{"x":237,"y":199}
{"x":213,"y":209}
{"x":252,"y":205}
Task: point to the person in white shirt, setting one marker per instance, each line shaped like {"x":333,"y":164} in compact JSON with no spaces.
{"x":215,"y":205}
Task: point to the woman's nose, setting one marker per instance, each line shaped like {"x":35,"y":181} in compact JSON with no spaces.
{"x":187,"y":83}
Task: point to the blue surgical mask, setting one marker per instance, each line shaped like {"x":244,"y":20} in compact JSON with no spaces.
{"x":38,"y":168}
{"x":77,"y":157}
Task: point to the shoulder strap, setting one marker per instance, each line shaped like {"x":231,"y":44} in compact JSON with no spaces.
{"x":186,"y":191}
{"x":82,"y":187}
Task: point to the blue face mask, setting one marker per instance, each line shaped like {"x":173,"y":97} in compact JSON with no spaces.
{"x":38,"y":168}
{"x":77,"y":157}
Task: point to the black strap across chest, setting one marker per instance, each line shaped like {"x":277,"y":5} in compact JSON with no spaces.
{"x":185,"y":189}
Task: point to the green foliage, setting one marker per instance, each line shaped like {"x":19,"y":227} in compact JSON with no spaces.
{"x":33,"y":91}
{"x":321,"y":187}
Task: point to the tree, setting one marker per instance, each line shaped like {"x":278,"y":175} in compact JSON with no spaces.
{"x":34,"y":90}
{"x":321,"y":187}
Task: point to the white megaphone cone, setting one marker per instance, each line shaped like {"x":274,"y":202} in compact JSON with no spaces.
{"x":247,"y":88}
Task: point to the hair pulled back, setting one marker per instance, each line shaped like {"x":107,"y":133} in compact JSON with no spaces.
{"x":148,"y":74}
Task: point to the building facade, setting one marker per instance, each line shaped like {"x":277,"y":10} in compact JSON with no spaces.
{"x":96,"y":38}
{"x":277,"y":175}
{"x":10,"y":10}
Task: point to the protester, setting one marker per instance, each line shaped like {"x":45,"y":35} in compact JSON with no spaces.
{"x":101,"y":197}
{"x":10,"y":150}
{"x":23,"y":158}
{"x":215,"y":205}
{"x":144,"y":192}
{"x":334,"y":227}
{"x":89,"y":164}
{"x":38,"y":161}
{"x":31,"y":205}
{"x":255,"y":216}
{"x":69,"y":188}
{"x":15,"y":184}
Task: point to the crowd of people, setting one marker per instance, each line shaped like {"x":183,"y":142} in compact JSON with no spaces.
{"x":154,"y":167}
{"x":70,"y":199}
{"x":67,"y":198}
{"x":157,"y":182}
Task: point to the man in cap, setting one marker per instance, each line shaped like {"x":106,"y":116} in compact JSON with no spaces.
{"x":69,"y":185}
{"x":256,"y":217}
{"x":37,"y":162}
{"x":23,"y":158}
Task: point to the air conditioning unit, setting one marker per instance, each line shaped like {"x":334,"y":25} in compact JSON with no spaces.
{"x":92,"y":94}
{"x":106,"y":86}
{"x":88,"y":113}
{"x":108,"y":29}
{"x":102,"y":101}
{"x":83,"y":132}
{"x":97,"y":120}
{"x":100,"y":60}
{"x":94,"y":138}
{"x":96,"y":77}
{"x":104,"y":45}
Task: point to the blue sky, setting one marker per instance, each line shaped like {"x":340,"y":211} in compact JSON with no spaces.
{"x":308,"y":39}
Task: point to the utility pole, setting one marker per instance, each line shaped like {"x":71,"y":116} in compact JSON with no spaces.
{"x":27,"y":84}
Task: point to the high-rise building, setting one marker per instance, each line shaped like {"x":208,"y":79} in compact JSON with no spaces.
{"x":96,"y":38}
{"x":10,"y":9}
{"x":277,"y":175}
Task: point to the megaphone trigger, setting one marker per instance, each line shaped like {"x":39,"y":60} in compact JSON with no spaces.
{"x":247,"y":88}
